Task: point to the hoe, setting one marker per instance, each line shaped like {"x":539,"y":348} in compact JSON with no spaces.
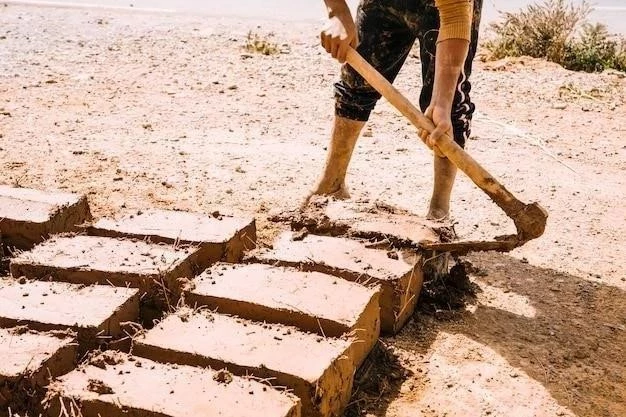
{"x":530,"y":219}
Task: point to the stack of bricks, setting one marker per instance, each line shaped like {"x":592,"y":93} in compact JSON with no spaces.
{"x":226,"y":325}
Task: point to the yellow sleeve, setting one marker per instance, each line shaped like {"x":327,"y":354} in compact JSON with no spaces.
{"x":456,"y":19}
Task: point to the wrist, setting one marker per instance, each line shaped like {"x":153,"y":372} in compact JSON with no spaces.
{"x":441,"y":104}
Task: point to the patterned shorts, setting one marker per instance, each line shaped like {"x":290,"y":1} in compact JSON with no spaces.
{"x":387,"y":31}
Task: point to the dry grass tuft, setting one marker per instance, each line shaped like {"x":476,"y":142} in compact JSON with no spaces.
{"x":264,"y":45}
{"x":555,"y":30}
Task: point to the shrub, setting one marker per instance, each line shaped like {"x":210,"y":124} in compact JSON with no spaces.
{"x":547,"y":30}
{"x":540,"y":30}
{"x":595,"y":51}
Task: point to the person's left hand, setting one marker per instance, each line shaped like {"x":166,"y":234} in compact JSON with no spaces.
{"x":442,"y":120}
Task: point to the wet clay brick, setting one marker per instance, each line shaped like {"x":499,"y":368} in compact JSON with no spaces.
{"x":94,"y":312}
{"x":117,"y":385}
{"x":153,"y":268}
{"x":317,"y":369}
{"x":399,"y":274}
{"x":29,"y":360}
{"x":399,"y":229}
{"x":310,"y":301}
{"x":30,"y":216}
{"x":218,"y":237}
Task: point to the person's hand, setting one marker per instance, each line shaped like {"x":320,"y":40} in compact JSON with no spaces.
{"x":441,"y":118}
{"x":338,"y":35}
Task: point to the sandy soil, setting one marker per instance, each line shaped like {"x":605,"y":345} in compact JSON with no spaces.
{"x":149,"y":110}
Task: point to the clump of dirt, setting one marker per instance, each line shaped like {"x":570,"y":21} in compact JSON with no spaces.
{"x":316,"y":221}
{"x":381,"y":375}
{"x":101,"y":360}
{"x":446,"y":233}
{"x":223,"y":377}
{"x":445,"y":296}
{"x":99,"y":387}
{"x":312,"y":218}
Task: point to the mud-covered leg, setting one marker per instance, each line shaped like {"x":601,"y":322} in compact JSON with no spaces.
{"x":462,"y":110}
{"x":343,"y":140}
{"x":385,"y":41}
{"x":445,"y":174}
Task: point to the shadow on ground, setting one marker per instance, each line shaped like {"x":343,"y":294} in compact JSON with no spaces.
{"x":573,"y":343}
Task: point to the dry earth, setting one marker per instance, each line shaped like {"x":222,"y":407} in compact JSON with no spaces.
{"x":144,"y":110}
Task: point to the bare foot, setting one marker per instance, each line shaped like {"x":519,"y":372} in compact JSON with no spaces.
{"x":332,"y":181}
{"x":438,"y":213}
{"x":340,"y":193}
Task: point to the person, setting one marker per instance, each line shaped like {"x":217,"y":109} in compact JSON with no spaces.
{"x":384,"y":33}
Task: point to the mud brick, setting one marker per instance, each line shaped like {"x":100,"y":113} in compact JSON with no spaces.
{"x":218,"y":237}
{"x":94,"y":312}
{"x":29,"y":216}
{"x":113,"y":384}
{"x":399,"y":274}
{"x":400,"y":229}
{"x":29,"y":360}
{"x":317,"y":369}
{"x":26,"y":353}
{"x":310,"y":301}
{"x":151,"y":267}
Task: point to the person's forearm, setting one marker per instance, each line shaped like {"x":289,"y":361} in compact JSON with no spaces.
{"x":336,"y":7}
{"x":450,"y":59}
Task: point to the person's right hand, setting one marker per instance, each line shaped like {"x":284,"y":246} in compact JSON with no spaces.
{"x":338,"y":35}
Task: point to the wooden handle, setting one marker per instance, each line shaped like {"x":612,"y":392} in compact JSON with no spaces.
{"x":530,"y":219}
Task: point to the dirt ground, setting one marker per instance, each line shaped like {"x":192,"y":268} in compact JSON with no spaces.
{"x":157,"y":110}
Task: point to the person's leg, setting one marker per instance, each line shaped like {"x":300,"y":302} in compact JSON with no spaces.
{"x":342,"y":142}
{"x":462,"y":109}
{"x":385,"y":41}
{"x":444,"y":176}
